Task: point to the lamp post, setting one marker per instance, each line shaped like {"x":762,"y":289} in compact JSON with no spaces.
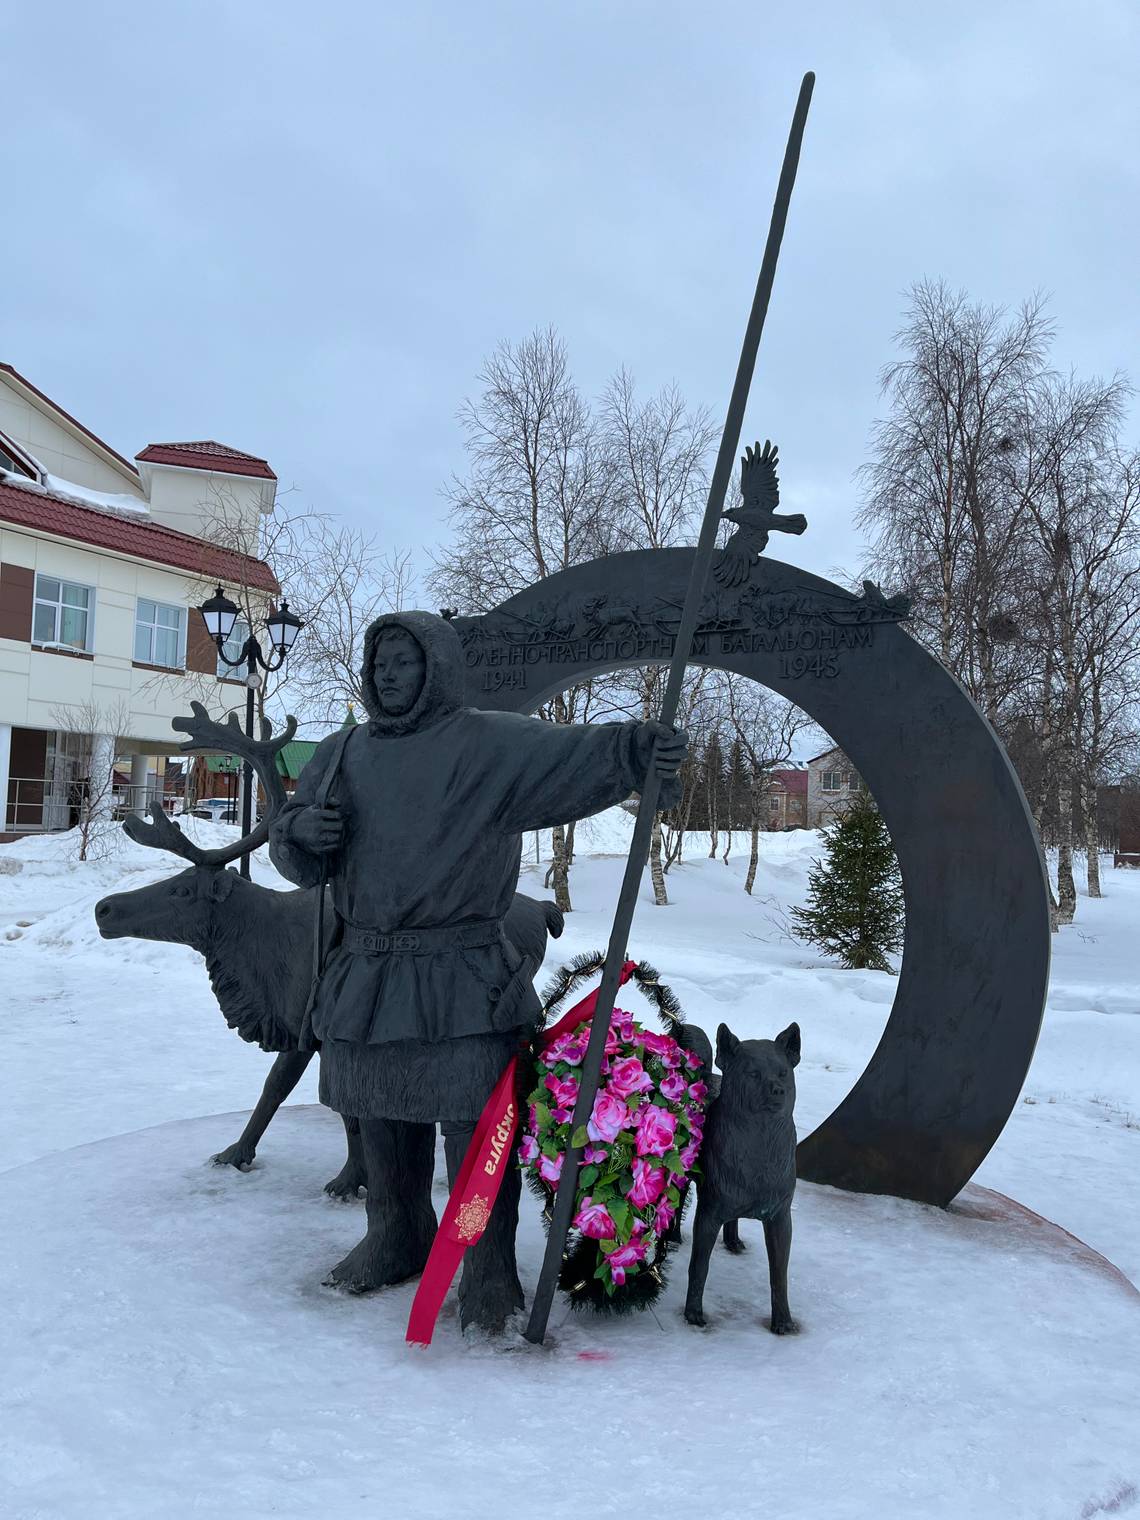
{"x":219,"y":615}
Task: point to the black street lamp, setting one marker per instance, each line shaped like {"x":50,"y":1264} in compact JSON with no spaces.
{"x":219,"y":615}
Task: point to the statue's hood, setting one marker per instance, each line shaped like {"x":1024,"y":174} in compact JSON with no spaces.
{"x":444,"y":676}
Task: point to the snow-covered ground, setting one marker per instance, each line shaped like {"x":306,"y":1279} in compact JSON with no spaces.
{"x":169,"y":1350}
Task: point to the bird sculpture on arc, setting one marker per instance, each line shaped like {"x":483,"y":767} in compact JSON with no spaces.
{"x":760,"y":487}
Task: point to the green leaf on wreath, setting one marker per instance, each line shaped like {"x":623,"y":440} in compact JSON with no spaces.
{"x":673,"y":1195}
{"x":580,"y":1137}
{"x":587,"y":1176}
{"x":673,"y":1162}
{"x":542,"y":1114}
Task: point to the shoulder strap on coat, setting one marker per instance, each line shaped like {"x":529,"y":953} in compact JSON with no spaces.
{"x":324,"y":791}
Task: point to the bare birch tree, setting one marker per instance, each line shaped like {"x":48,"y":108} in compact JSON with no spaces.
{"x":765,"y":727}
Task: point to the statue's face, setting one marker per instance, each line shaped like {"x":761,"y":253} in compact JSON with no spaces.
{"x":398,"y":670}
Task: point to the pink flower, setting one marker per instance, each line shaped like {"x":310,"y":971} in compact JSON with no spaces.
{"x":648,"y":1184}
{"x":560,"y":1115}
{"x":655,"y":1131}
{"x":613,"y":1040}
{"x":549,"y":1170}
{"x":698,"y":1091}
{"x":689,"y":1155}
{"x":609,"y":1116}
{"x":564,"y":1090}
{"x":594,"y":1155}
{"x":532,"y":1118}
{"x":625,"y":1256}
{"x":625,"y":1026}
{"x":567,"y":1047}
{"x":658,"y":1044}
{"x":593,"y":1219}
{"x":663,"y":1217}
{"x":629,"y":1077}
{"x":528,"y":1150}
{"x":672,"y":1086}
{"x":693,"y":1062}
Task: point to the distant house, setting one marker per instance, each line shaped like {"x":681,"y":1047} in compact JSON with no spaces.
{"x":832,"y":783}
{"x":787,"y":799}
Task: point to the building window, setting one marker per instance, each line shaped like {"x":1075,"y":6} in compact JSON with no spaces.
{"x":160,"y":634}
{"x":832,"y":781}
{"x":12,"y":465}
{"x":233,"y":648}
{"x":62,"y":613}
{"x":773,"y":804}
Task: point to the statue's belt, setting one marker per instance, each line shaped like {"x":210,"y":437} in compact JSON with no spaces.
{"x":422,"y":941}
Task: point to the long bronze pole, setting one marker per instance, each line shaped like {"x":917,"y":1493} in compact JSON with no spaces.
{"x":639,"y":846}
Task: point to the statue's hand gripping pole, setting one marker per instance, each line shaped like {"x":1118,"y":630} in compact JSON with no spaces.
{"x":639,"y":847}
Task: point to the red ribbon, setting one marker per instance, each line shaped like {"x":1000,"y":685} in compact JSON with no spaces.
{"x":480,"y":1177}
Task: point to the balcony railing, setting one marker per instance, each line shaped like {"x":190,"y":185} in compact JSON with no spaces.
{"x":43,"y":804}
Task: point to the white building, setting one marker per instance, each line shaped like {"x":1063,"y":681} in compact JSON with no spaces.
{"x":832,"y":785}
{"x":102,"y":566}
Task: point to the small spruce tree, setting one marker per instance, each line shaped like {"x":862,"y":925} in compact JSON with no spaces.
{"x":855,"y":898}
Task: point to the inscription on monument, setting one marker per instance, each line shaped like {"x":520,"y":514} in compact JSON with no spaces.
{"x":809,"y":632}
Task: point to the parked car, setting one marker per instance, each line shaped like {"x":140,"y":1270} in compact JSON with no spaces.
{"x":219,"y":809}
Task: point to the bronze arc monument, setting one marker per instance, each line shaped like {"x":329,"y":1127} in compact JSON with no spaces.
{"x":961,"y":1033}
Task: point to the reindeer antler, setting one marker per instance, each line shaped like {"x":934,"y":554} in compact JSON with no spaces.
{"x":164,"y":834}
{"x":206,"y":734}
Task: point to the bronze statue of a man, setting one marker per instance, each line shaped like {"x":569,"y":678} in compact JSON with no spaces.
{"x":423,"y":1001}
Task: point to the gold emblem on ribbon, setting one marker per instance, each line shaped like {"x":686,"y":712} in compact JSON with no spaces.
{"x":471,"y":1218}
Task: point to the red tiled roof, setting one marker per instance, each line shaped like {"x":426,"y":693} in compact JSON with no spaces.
{"x":207,"y":455}
{"x":794,"y":782}
{"x":29,"y":508}
{"x":87,"y":433}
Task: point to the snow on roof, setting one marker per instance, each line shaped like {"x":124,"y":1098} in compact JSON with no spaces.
{"x":71,"y":513}
{"x":104,"y":501}
{"x":206,"y":454}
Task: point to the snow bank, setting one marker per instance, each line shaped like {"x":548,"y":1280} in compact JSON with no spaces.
{"x":166,"y":1335}
{"x":167,"y":1350}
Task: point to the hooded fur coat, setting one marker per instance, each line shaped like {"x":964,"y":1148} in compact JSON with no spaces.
{"x":435,"y":802}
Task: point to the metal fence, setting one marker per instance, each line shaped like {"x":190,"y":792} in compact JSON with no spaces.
{"x":44,"y":804}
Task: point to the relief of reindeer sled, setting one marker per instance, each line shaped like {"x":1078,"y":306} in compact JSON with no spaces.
{"x":256,"y":942}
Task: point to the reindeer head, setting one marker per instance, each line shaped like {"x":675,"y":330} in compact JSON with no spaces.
{"x":180,"y":909}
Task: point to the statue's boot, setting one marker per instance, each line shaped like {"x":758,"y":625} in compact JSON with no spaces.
{"x":399,"y":1158}
{"x":489,"y":1287}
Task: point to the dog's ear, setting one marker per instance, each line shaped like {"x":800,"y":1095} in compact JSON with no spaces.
{"x":726,"y":1046}
{"x":789,"y":1042}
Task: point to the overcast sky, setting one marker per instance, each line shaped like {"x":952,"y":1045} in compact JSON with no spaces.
{"x":299,"y":229}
